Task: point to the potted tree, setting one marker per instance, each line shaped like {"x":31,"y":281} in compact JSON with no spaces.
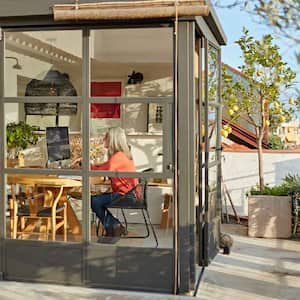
{"x":269,"y":212}
{"x":18,"y":137}
{"x":255,"y":97}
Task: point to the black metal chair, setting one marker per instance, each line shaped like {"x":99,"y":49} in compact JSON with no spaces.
{"x":129,"y":201}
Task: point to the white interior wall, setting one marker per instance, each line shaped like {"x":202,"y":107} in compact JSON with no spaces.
{"x":240,"y":172}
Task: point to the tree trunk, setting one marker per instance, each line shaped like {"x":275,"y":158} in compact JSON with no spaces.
{"x":259,"y":140}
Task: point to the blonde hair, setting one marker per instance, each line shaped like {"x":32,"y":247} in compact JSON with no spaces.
{"x":118,"y":142}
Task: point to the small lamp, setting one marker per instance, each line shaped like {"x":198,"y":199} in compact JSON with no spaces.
{"x":17,"y":66}
{"x":135,"y":77}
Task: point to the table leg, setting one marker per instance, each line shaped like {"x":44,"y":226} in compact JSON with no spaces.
{"x":73,"y":223}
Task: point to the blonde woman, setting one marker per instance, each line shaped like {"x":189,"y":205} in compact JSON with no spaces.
{"x":119,"y":159}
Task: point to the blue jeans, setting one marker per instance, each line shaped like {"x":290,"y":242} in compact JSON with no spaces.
{"x":98,"y":203}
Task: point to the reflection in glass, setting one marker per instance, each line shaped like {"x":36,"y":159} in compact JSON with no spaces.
{"x":213,"y":74}
{"x":213,"y":192}
{"x":140,"y":59}
{"x":37,"y":201}
{"x":212,"y":123}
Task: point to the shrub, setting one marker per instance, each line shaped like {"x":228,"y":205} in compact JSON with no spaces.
{"x":275,"y":142}
{"x":277,"y":190}
{"x":290,"y":184}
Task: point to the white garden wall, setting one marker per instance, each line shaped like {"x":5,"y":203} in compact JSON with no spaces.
{"x":240,"y":173}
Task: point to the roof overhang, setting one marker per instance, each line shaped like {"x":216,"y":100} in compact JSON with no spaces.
{"x":213,"y":22}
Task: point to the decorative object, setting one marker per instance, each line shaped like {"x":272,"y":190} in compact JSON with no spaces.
{"x":155,"y":118}
{"x":135,"y":77}
{"x":106,"y":110}
{"x":98,"y":153}
{"x":54,"y":83}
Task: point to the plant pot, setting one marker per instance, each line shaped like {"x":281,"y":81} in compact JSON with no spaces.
{"x":269,"y":216}
{"x":12,"y":162}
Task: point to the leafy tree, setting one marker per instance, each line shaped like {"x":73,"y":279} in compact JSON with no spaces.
{"x":282,"y":15}
{"x":255,"y":96}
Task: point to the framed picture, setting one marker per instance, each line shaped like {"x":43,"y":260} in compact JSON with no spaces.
{"x":106,"y":110}
{"x":155,"y":118}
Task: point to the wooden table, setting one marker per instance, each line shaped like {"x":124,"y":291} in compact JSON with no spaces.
{"x":41,"y":180}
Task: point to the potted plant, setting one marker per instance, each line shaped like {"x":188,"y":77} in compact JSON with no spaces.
{"x":18,"y":137}
{"x":269,"y":212}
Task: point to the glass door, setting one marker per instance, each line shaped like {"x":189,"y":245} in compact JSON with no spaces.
{"x":209,"y":148}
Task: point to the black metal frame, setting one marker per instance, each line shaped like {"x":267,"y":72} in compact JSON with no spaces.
{"x":122,"y":203}
{"x":209,"y":244}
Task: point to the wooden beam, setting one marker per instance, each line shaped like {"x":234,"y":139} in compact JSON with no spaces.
{"x":130,"y":10}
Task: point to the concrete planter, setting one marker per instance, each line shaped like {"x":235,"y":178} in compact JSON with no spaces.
{"x":269,"y":216}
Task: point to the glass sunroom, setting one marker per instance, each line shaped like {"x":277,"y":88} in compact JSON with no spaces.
{"x":64,"y":83}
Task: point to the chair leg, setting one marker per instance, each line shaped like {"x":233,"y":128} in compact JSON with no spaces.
{"x":65,"y":224}
{"x":154,"y":234}
{"x":48,"y":225}
{"x":146,"y":224}
{"x":15,"y":227}
{"x":97,"y":227}
{"x":53,"y":225}
{"x":138,"y":236}
{"x":125,"y":220}
{"x":147,"y":227}
{"x":22,"y":221}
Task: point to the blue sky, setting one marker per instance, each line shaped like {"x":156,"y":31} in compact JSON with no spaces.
{"x":233,"y":20}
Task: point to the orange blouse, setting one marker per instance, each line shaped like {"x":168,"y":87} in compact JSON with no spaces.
{"x":121,"y":163}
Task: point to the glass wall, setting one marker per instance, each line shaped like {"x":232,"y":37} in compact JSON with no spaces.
{"x":131,"y":89}
{"x":46,"y":97}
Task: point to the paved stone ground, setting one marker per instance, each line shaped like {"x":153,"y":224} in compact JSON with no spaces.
{"x":10,"y":290}
{"x":256,"y":269}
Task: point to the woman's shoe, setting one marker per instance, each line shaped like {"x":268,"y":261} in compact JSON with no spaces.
{"x":119,"y":230}
{"x":109,"y":232}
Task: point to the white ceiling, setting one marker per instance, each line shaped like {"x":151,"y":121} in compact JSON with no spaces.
{"x":132,"y":45}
